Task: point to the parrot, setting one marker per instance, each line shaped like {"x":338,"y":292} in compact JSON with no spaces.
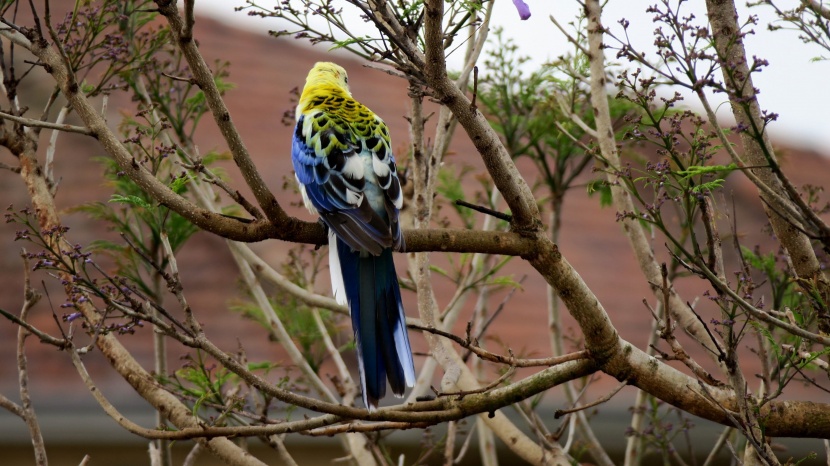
{"x":346,"y":172}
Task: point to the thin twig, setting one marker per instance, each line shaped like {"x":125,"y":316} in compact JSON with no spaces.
{"x":461,"y":394}
{"x":4,"y":166}
{"x":49,"y":166}
{"x":475,"y":89}
{"x":47,"y":124}
{"x":560,"y":412}
{"x":484,"y":210}
{"x":364,"y":427}
{"x":449,"y":447}
{"x":570,"y":38}
{"x":512,"y":361}
{"x":30,"y":298}
{"x":722,"y":439}
{"x":195,"y":163}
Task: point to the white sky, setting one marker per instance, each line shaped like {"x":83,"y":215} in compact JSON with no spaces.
{"x":792,"y":86}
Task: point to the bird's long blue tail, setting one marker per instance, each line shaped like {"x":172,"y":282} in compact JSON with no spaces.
{"x":379,"y":322}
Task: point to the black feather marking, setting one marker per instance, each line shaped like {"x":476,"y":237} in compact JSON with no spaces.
{"x":337,"y":160}
{"x":321,"y":173}
{"x":372,"y":143}
{"x":298,"y":130}
{"x":394,"y":189}
{"x":381,"y":152}
{"x":383,"y":181}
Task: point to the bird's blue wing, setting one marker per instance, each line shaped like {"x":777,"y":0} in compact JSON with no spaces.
{"x":344,"y":185}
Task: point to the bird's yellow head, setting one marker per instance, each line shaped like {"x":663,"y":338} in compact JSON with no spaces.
{"x":328,"y":73}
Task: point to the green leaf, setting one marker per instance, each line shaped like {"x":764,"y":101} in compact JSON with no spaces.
{"x":504,"y":281}
{"x":765,"y":263}
{"x":606,"y":198}
{"x":696,"y":170}
{"x":261,"y":366}
{"x":197,"y":99}
{"x":130,"y":199}
{"x":710,"y":186}
{"x":438,"y":270}
{"x":100,"y":245}
{"x":352,"y":40}
{"x":180,"y":182}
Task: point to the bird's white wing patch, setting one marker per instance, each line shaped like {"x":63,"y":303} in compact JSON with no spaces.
{"x":338,"y":288}
{"x":306,"y":200}
{"x":381,"y":169}
{"x":353,"y":168}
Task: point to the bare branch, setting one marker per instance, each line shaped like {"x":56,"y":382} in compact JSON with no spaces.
{"x":561,"y":412}
{"x":28,"y":411}
{"x":512,"y":361}
{"x":47,"y":124}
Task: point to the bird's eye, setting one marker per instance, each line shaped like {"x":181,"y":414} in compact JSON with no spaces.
{"x":346,"y":79}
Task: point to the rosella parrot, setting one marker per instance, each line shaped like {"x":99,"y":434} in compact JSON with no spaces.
{"x":346,"y":171}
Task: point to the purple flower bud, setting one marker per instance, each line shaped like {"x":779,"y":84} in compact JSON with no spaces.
{"x":524,"y":10}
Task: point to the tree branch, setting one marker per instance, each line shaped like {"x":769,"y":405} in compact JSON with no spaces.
{"x":46,"y":124}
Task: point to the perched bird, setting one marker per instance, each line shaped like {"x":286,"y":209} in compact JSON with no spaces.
{"x":344,"y":164}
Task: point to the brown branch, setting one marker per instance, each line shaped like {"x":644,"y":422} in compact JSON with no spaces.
{"x":561,"y":412}
{"x":621,"y":359}
{"x":484,"y":210}
{"x":483,"y":389}
{"x":26,"y":408}
{"x":10,"y":168}
{"x":427,"y":411}
{"x":189,"y":21}
{"x":511,"y":360}
{"x":42,"y":336}
{"x":46,"y":124}
{"x":364,"y":427}
{"x":202,"y":430}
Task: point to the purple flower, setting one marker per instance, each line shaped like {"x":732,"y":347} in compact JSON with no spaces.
{"x":524,"y":10}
